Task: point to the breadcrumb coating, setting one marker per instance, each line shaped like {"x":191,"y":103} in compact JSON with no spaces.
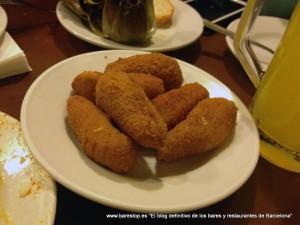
{"x":206,"y":127}
{"x":175,"y":104}
{"x":84,"y":84}
{"x":129,"y":107}
{"x":101,"y":141}
{"x":156,"y":64}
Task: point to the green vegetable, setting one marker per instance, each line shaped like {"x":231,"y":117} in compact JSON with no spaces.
{"x":129,"y":21}
{"x":85,"y":7}
{"x":95,"y":18}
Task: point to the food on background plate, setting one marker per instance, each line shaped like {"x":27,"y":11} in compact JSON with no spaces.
{"x":128,"y":21}
{"x":84,"y":84}
{"x":175,"y":104}
{"x":76,"y":7}
{"x":123,"y":21}
{"x":101,"y":141}
{"x":129,"y":107}
{"x":206,"y":127}
{"x":156,"y":64}
{"x":164,"y":10}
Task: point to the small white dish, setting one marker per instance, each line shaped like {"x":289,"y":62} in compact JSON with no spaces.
{"x":3,"y":21}
{"x":186,"y":27}
{"x":152,"y":186}
{"x":266,"y":30}
{"x":27,"y":193}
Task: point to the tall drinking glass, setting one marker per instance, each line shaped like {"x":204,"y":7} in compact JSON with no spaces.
{"x":276,"y":104}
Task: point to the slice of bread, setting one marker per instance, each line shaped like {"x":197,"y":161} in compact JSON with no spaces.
{"x":163,"y":10}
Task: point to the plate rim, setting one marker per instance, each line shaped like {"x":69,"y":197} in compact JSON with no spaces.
{"x":116,"y":203}
{"x":3,"y":17}
{"x":128,"y":47}
{"x":52,"y":217}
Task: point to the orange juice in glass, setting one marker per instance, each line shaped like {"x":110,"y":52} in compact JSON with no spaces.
{"x":276,"y":104}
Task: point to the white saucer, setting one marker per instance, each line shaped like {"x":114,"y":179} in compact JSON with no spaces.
{"x":266,"y":30}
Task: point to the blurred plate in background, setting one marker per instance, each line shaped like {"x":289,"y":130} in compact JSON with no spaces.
{"x":3,"y":21}
{"x":187,"y":26}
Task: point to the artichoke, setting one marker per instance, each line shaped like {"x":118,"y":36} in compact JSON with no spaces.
{"x":94,"y":11}
{"x":126,"y":21}
{"x":76,"y":7}
{"x":129,"y":21}
{"x":90,"y":11}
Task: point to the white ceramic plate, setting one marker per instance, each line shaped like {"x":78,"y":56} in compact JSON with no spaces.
{"x":186,"y":27}
{"x":27,"y":193}
{"x":3,"y":21}
{"x":152,"y":187}
{"x":266,"y":30}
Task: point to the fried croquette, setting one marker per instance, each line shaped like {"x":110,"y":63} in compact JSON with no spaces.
{"x":153,"y":86}
{"x":206,"y":127}
{"x":175,"y":104}
{"x":84,"y":84}
{"x":127,"y":104}
{"x":102,"y":142}
{"x":156,"y":64}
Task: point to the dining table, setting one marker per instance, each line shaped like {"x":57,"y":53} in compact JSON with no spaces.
{"x":268,"y":193}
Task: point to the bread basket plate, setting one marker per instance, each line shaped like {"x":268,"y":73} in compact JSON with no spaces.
{"x":187,"y":26}
{"x":151,"y":186}
{"x":27,"y":192}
